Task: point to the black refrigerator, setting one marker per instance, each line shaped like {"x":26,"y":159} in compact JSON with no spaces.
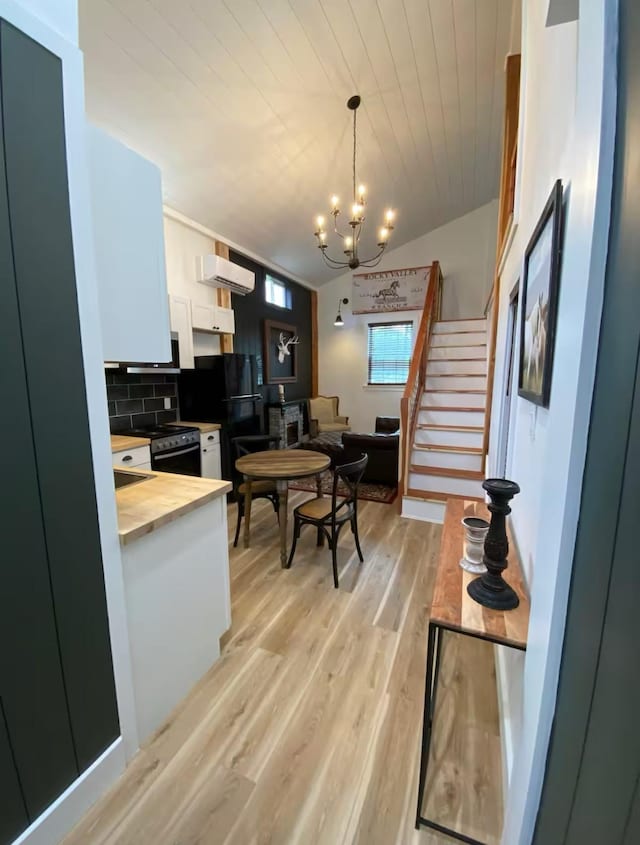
{"x":223,"y":389}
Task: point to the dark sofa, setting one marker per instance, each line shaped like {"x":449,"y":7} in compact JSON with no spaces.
{"x":381,"y":447}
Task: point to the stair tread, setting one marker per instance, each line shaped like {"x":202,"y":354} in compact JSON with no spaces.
{"x":464,"y":331}
{"x":436,"y":427}
{"x":464,"y":320}
{"x":451,"y":408}
{"x":456,"y":375}
{"x":454,"y":345}
{"x":413,"y":493}
{"x":471,"y":474}
{"x":453,"y":360}
{"x":454,"y":390}
{"x":440,"y":447}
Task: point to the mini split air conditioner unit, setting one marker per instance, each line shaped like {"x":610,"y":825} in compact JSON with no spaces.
{"x":220,"y":273}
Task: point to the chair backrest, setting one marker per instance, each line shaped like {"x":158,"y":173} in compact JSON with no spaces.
{"x":324,"y":409}
{"x":351,"y":474}
{"x":246,"y":444}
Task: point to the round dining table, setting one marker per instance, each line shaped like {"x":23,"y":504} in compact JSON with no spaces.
{"x":281,"y":466}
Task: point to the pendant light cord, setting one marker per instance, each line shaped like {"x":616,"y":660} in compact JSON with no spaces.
{"x":355,"y":113}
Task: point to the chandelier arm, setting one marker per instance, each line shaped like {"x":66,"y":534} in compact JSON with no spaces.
{"x":335,"y":229}
{"x":332,"y":262}
{"x":372,"y":262}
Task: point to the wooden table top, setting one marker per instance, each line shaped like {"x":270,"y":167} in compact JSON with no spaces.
{"x":282,"y":463}
{"x":453,"y":607}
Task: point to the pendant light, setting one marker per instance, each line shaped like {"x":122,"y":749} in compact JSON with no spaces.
{"x":338,"y":320}
{"x":350,"y":242}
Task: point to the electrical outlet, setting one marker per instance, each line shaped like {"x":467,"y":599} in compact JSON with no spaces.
{"x":167,"y":403}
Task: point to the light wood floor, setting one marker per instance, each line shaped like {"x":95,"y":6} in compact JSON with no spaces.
{"x":307,"y":729}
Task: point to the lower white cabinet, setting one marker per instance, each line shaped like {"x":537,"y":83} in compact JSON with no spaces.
{"x":176,"y":582}
{"x":139,"y":457}
{"x":211,"y":466}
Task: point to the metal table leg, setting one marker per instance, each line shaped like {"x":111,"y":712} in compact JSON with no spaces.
{"x":434,"y":653}
{"x":427,"y":715}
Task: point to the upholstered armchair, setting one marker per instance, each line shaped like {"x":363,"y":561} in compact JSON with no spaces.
{"x":323,"y":416}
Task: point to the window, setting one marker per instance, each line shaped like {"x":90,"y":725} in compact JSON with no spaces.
{"x":389,"y":352}
{"x":276,"y":292}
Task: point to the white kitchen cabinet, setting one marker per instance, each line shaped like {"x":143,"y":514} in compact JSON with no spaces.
{"x":176,"y":581}
{"x":212,"y":318}
{"x":139,"y":457}
{"x":180,"y":314}
{"x":126,"y":210}
{"x":211,"y":466}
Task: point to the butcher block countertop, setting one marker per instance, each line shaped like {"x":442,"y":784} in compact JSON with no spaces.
{"x":146,"y":506}
{"x":122,"y":442}
{"x":203,"y":426}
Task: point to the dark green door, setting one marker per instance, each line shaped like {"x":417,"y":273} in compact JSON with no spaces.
{"x":56,"y":676}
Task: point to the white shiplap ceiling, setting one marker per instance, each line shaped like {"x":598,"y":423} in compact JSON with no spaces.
{"x":242,"y":105}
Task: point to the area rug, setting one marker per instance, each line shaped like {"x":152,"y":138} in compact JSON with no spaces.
{"x":382,"y":493}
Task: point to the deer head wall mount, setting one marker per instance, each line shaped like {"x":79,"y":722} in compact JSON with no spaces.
{"x":284,"y":344}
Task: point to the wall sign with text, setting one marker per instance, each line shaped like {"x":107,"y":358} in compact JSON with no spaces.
{"x":390,"y":290}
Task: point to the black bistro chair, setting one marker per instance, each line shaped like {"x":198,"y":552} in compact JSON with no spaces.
{"x":328,"y":515}
{"x":245,"y":445}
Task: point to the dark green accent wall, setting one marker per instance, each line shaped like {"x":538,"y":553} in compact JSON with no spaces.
{"x":56,"y":676}
{"x":252,"y":310}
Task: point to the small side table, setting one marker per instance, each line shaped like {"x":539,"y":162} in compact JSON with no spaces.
{"x":453,"y":609}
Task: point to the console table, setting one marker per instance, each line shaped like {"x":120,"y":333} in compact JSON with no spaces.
{"x":453,"y":610}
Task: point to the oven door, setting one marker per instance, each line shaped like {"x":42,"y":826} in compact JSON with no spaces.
{"x":183,"y":460}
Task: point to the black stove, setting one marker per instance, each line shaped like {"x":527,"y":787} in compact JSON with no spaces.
{"x":174,"y":448}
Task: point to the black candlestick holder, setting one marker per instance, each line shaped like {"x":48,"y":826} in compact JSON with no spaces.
{"x":490,"y":589}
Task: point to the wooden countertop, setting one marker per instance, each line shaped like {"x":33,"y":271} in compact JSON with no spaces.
{"x":203,"y":426}
{"x":453,"y":607}
{"x":146,"y":506}
{"x":122,"y":442}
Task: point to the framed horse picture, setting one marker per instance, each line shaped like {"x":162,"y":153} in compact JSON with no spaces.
{"x":541,"y":280}
{"x":390,"y":290}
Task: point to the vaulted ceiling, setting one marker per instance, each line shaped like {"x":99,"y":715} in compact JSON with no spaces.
{"x":242,"y":106}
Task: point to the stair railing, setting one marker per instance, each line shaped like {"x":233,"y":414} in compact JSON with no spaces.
{"x":414,"y":388}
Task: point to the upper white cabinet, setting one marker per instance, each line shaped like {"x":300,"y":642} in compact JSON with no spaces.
{"x":212,"y":318}
{"x":180,"y":310}
{"x":126,"y":200}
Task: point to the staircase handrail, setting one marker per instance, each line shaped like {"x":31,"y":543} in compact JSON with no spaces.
{"x":410,"y":402}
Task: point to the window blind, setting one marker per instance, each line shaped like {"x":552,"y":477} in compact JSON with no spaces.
{"x":389,"y":352}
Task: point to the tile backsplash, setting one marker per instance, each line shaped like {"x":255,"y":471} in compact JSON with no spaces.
{"x":136,"y":400}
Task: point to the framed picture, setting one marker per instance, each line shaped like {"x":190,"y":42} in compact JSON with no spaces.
{"x":541,"y":278}
{"x":280,"y":353}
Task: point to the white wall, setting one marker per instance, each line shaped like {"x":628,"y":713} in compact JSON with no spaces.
{"x":183,"y":244}
{"x":465,"y":249}
{"x":60,"y":15}
{"x":567,"y":133}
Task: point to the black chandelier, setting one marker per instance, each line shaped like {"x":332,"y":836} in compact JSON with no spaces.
{"x":350,"y":242}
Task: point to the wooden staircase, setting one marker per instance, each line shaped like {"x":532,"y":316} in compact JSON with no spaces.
{"x":443,"y":416}
{"x":446,"y":454}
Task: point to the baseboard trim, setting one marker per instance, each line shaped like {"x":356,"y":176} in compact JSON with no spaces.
{"x":67,"y":810}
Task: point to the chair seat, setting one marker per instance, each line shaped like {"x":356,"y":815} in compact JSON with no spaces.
{"x":320,"y":509}
{"x":323,"y":427}
{"x":258,"y":487}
